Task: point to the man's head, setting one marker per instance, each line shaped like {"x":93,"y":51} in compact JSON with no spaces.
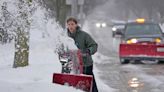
{"x":72,"y":24}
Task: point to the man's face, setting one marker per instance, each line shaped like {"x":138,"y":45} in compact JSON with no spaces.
{"x":72,"y":26}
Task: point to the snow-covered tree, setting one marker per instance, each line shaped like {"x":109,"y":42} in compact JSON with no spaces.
{"x":16,"y":19}
{"x":23,"y":21}
{"x":5,"y":23}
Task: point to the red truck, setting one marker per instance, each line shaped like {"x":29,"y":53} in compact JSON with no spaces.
{"x":141,"y":40}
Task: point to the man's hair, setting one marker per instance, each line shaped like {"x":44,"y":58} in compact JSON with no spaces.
{"x":72,"y":19}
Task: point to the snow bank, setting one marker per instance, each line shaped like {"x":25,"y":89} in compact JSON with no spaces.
{"x":43,"y":62}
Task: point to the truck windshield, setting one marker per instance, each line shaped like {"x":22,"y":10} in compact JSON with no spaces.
{"x":143,"y":29}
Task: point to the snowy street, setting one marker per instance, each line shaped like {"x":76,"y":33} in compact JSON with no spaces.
{"x":115,"y":75}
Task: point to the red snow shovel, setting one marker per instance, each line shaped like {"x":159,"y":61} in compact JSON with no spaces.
{"x":72,"y":69}
{"x":83,"y":82}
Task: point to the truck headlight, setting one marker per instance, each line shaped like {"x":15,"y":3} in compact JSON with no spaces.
{"x":103,"y":25}
{"x":158,"y":40}
{"x":114,"y":29}
{"x":132,"y":41}
{"x":98,"y":25}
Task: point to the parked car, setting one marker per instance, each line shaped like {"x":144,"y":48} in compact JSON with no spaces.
{"x":117,"y":29}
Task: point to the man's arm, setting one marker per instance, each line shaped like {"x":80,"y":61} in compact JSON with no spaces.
{"x":90,"y":44}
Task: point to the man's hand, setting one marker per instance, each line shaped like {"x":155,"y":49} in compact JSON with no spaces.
{"x":86,"y":52}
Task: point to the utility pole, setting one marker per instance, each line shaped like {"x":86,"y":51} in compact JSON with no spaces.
{"x":81,"y":13}
{"x":74,"y":8}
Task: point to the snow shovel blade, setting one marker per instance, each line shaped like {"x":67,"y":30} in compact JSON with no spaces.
{"x":83,"y":82}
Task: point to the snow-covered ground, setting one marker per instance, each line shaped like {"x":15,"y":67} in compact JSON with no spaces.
{"x":45,"y":36}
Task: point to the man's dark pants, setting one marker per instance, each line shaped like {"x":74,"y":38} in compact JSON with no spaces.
{"x":88,"y":71}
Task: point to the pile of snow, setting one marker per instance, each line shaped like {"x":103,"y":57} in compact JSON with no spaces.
{"x":43,"y":62}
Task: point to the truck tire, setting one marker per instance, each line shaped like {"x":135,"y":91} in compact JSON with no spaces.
{"x":124,"y":61}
